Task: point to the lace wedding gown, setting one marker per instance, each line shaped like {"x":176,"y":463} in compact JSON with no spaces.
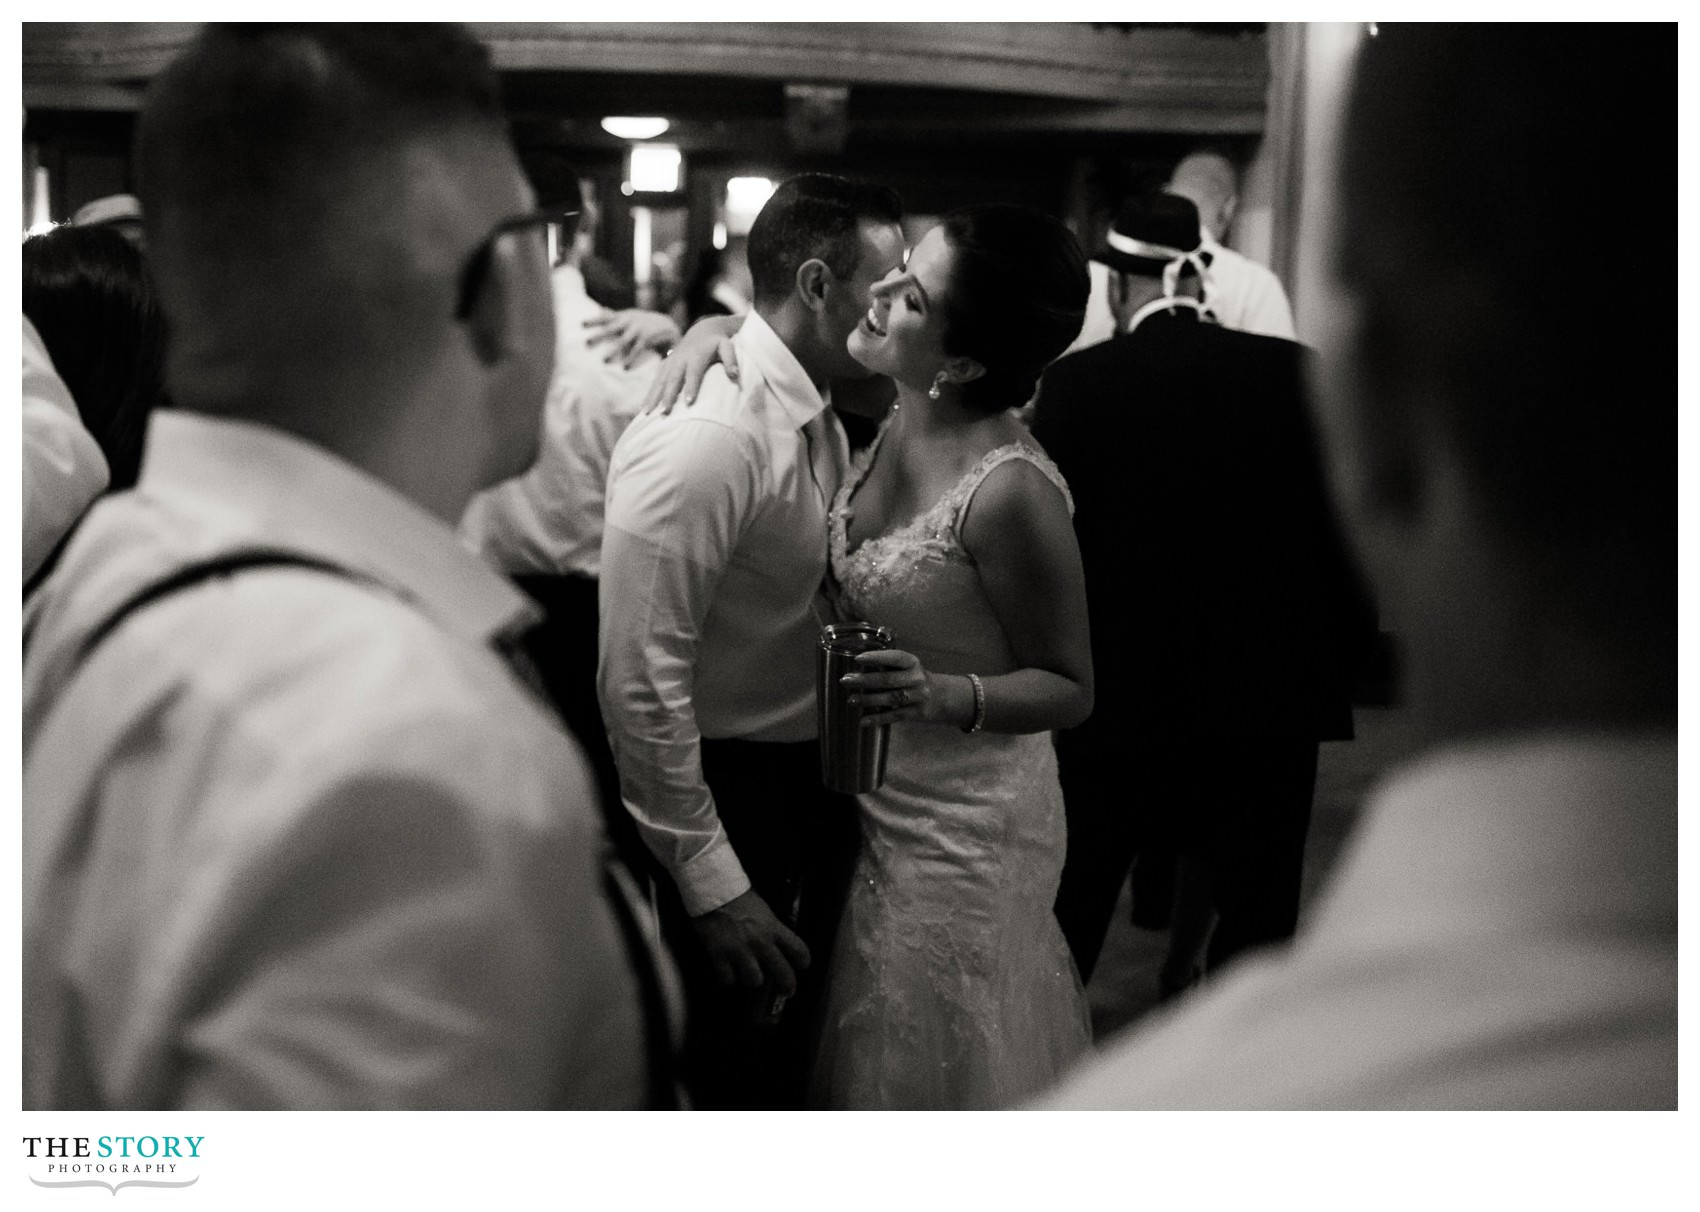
{"x":951,"y":985}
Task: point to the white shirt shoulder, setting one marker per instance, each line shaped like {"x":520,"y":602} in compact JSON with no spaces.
{"x":374,"y":808}
{"x":63,"y":468}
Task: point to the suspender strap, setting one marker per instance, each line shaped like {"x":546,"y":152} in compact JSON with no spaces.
{"x":193,"y":574}
{"x":663,"y":1090}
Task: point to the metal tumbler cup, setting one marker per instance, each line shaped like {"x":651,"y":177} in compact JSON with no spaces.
{"x":852,"y":758}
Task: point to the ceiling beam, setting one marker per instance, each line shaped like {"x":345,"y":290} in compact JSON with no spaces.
{"x":99,"y":52}
{"x":1160,"y":71}
{"x":1071,"y":60}
{"x":106,"y":98}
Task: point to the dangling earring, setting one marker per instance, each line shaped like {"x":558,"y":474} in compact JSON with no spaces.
{"x":933,"y":391}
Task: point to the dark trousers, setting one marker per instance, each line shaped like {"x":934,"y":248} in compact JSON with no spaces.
{"x":797,"y":843}
{"x":1238,"y":807}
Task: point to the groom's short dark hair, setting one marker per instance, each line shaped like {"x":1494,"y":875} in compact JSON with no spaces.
{"x":813,"y":216}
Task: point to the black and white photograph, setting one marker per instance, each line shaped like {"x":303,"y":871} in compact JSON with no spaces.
{"x":750,"y":568}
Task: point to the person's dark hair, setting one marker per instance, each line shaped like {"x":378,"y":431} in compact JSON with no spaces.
{"x":607,"y":284}
{"x":557,"y":184}
{"x":1487,"y":178}
{"x":813,"y":216}
{"x":87,"y":291}
{"x":553,"y":177}
{"x":1017,"y":297}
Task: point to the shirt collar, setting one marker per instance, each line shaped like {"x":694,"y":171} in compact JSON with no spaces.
{"x":1180,"y":307}
{"x":759,"y":347}
{"x":272,"y":489}
{"x":1541,"y":829}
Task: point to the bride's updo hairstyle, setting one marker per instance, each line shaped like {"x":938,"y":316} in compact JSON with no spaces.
{"x":1017,"y":298}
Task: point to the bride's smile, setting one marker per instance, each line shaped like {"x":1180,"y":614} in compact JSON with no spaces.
{"x":902,"y":333}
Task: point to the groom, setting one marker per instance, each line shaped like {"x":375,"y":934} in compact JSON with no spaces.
{"x":713,"y":555}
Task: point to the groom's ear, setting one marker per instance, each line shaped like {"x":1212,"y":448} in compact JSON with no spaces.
{"x":813,"y":281}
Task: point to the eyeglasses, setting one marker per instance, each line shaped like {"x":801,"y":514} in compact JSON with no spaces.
{"x":478,"y":264}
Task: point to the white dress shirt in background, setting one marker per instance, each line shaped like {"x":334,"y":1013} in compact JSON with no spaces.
{"x":295,"y":840}
{"x":712,"y":560}
{"x":1502,"y":934}
{"x":549,"y":520}
{"x":63,"y":468}
{"x":1246,"y":295}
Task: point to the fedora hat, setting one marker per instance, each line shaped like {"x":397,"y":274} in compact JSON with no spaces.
{"x":113,"y":208}
{"x":1151,"y":232}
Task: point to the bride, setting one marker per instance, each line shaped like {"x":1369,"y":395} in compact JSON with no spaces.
{"x":951,"y":985}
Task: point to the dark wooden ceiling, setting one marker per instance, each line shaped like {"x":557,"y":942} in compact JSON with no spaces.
{"x":1037,"y":112}
{"x":725,"y":81}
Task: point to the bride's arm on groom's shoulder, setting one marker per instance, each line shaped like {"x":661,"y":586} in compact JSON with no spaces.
{"x":680,"y":376}
{"x":1020,"y":534}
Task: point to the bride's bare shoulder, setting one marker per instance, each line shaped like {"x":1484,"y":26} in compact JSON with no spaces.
{"x":1016,"y":493}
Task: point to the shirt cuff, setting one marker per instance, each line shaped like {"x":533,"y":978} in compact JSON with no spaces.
{"x":711,"y":879}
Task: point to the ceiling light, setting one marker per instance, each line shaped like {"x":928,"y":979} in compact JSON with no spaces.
{"x":635,"y":128}
{"x":654,"y":168}
{"x":749,"y":194}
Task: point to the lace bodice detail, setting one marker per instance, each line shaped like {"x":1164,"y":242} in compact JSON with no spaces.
{"x":924,"y":559}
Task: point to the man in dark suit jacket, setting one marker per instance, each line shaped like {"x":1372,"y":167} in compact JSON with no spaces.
{"x":1225,"y":616}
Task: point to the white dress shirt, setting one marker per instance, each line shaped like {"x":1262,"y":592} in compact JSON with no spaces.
{"x":63,"y":467}
{"x":549,"y":520}
{"x":1502,"y":934}
{"x":1243,"y":295}
{"x":1246,"y":295}
{"x":295,"y":840}
{"x":712,"y":561}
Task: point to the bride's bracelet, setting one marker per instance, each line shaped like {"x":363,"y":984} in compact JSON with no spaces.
{"x":979,"y":704}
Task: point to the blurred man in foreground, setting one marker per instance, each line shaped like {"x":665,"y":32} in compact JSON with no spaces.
{"x":295,"y":835}
{"x":1503,"y":932}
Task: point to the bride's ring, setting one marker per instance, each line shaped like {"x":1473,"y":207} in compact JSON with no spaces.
{"x":903,"y":698}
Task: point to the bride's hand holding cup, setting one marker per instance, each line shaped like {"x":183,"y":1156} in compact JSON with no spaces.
{"x":892,"y":686}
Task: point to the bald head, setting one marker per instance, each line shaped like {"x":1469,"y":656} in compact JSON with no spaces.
{"x":1212,"y":184}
